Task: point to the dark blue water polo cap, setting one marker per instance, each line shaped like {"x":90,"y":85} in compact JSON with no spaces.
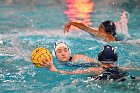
{"x":108,"y":54}
{"x":109,"y":27}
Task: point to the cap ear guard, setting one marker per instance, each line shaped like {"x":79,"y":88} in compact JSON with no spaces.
{"x":53,"y":53}
{"x":69,"y":51}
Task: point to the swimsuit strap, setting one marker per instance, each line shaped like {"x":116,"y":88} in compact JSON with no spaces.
{"x":70,"y":59}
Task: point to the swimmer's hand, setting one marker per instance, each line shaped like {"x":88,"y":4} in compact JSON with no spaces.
{"x":48,"y":65}
{"x":67,"y":27}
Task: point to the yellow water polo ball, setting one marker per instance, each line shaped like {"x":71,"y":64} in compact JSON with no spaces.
{"x":40,"y":54}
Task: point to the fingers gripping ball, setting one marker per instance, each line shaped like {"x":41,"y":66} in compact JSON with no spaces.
{"x":40,"y":54}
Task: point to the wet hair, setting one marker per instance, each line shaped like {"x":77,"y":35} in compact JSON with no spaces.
{"x":109,"y":27}
{"x":108,"y":54}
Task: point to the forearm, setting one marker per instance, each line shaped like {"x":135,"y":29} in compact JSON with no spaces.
{"x":68,"y":72}
{"x":75,"y":72}
{"x":84,"y":27}
{"x":79,"y":25}
{"x":53,"y":69}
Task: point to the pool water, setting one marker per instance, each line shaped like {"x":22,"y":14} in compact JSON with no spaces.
{"x":25,"y":26}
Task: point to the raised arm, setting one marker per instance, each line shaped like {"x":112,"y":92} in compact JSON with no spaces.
{"x":101,"y":34}
{"x":88,"y":29}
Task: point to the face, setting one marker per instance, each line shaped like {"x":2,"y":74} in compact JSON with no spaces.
{"x":63,"y":54}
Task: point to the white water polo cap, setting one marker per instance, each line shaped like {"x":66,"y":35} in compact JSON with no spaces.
{"x":58,"y":45}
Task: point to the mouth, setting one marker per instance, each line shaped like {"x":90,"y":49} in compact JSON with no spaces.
{"x":64,"y":57}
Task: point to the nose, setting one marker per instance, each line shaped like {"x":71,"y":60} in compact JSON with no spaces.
{"x":63,"y":53}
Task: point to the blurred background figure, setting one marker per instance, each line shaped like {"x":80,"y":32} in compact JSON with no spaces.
{"x":79,"y":11}
{"x":121,"y":25}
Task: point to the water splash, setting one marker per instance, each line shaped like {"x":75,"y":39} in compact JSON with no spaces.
{"x":121,"y":25}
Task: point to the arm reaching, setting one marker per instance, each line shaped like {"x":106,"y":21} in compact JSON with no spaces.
{"x":91,"y":70}
{"x":95,"y":32}
{"x":80,"y":26}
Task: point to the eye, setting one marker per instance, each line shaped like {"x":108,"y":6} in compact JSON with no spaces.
{"x":59,"y":51}
{"x":65,"y":50}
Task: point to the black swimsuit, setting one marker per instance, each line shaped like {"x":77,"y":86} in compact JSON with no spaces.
{"x":70,"y":59}
{"x":113,"y":73}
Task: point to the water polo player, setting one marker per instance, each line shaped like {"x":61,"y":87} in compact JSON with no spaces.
{"x":63,"y":54}
{"x":106,"y":30}
{"x":107,"y":69}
